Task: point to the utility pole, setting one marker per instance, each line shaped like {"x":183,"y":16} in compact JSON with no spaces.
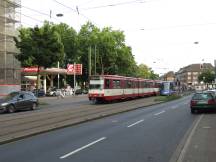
{"x":95,"y":60}
{"x":89,"y":61}
{"x":74,"y":78}
{"x":58,"y":74}
{"x":215,"y":72}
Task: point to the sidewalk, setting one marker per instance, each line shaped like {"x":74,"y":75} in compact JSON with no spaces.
{"x":202,"y":144}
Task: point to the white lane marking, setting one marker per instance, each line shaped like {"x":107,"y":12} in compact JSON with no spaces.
{"x":135,"y":123}
{"x":160,"y":112}
{"x":81,"y":148}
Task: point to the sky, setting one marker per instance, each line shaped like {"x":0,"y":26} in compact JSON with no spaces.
{"x":162,"y":33}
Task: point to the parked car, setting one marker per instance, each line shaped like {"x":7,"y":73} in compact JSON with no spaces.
{"x":203,"y":101}
{"x":39,"y":92}
{"x":18,"y":101}
{"x":78,"y":91}
{"x":213,"y":91}
{"x":85,"y":91}
{"x":53,"y":92}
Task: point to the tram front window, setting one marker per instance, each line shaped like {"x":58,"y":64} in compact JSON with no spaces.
{"x":95,"y":86}
{"x":166,"y":86}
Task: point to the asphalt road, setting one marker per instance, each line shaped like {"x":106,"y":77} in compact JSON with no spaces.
{"x":144,"y":135}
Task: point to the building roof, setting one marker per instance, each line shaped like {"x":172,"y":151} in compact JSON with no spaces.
{"x":196,"y":67}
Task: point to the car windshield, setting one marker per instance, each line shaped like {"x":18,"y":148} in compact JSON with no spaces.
{"x":202,"y":96}
{"x":11,"y":95}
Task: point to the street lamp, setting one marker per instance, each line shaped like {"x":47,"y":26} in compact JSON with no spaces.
{"x":59,"y":15}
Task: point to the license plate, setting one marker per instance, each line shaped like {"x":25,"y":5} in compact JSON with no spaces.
{"x":202,"y":102}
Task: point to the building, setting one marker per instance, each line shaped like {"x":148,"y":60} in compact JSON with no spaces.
{"x":10,"y":12}
{"x":169,"y":76}
{"x":188,"y":75}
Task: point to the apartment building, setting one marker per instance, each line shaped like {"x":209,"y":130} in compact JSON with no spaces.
{"x":189,"y":75}
{"x":10,"y":12}
{"x":169,"y":76}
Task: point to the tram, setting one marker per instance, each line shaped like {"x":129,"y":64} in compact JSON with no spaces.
{"x":167,"y":88}
{"x":114,"y":87}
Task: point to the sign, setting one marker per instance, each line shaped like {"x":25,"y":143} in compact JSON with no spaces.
{"x":74,"y":70}
{"x":70,"y":68}
{"x":30,"y":69}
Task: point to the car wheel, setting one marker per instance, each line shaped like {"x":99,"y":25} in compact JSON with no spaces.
{"x":54,"y":94}
{"x":11,"y":109}
{"x":34,"y":106}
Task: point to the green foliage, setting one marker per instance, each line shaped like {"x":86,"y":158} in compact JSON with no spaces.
{"x":207,"y":76}
{"x":69,"y":39}
{"x":40,"y":46}
{"x":46,"y":45}
{"x":167,"y":98}
{"x":144,"y":71}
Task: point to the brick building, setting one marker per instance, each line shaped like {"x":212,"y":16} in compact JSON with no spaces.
{"x":189,"y":75}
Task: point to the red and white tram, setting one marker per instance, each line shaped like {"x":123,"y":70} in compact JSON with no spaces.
{"x":114,"y":87}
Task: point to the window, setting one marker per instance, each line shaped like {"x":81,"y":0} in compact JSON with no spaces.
{"x":195,"y":73}
{"x":95,"y":86}
{"x":116,"y":84}
{"x":128,"y":84}
{"x":107,"y":84}
{"x":137,"y":84}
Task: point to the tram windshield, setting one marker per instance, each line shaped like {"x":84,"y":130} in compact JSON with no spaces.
{"x":96,"y":84}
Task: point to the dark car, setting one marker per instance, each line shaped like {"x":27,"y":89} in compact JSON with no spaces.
{"x":202,"y":101}
{"x":78,"y":91}
{"x":39,"y":92}
{"x":18,"y":101}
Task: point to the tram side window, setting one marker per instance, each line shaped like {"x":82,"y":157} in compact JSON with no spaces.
{"x":137,"y":84}
{"x":151,"y":84}
{"x":145,"y":84}
{"x":116,"y":84}
{"x":172,"y":86}
{"x":107,"y":84}
{"x":129,"y":84}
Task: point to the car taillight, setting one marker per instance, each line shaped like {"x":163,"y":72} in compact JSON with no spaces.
{"x":193,"y":103}
{"x":211,"y":101}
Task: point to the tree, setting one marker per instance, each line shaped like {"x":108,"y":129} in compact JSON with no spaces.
{"x":69,"y":39}
{"x":41,"y":47}
{"x":207,"y":76}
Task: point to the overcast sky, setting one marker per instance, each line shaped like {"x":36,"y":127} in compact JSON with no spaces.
{"x":161,"y":32}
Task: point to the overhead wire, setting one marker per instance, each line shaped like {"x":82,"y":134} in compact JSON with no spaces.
{"x":115,"y":4}
{"x":74,"y":10}
{"x":26,"y":15}
{"x":36,"y":11}
{"x":32,"y":18}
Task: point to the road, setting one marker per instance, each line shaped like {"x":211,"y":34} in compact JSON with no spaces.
{"x":143,"y":135}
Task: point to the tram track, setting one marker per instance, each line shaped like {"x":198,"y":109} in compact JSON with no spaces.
{"x":35,"y":122}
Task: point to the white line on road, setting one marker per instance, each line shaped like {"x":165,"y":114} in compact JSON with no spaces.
{"x":160,"y":112}
{"x":135,"y":123}
{"x":81,"y":148}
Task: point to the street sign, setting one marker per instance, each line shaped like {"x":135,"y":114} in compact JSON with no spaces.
{"x":70,"y":68}
{"x":74,"y":69}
